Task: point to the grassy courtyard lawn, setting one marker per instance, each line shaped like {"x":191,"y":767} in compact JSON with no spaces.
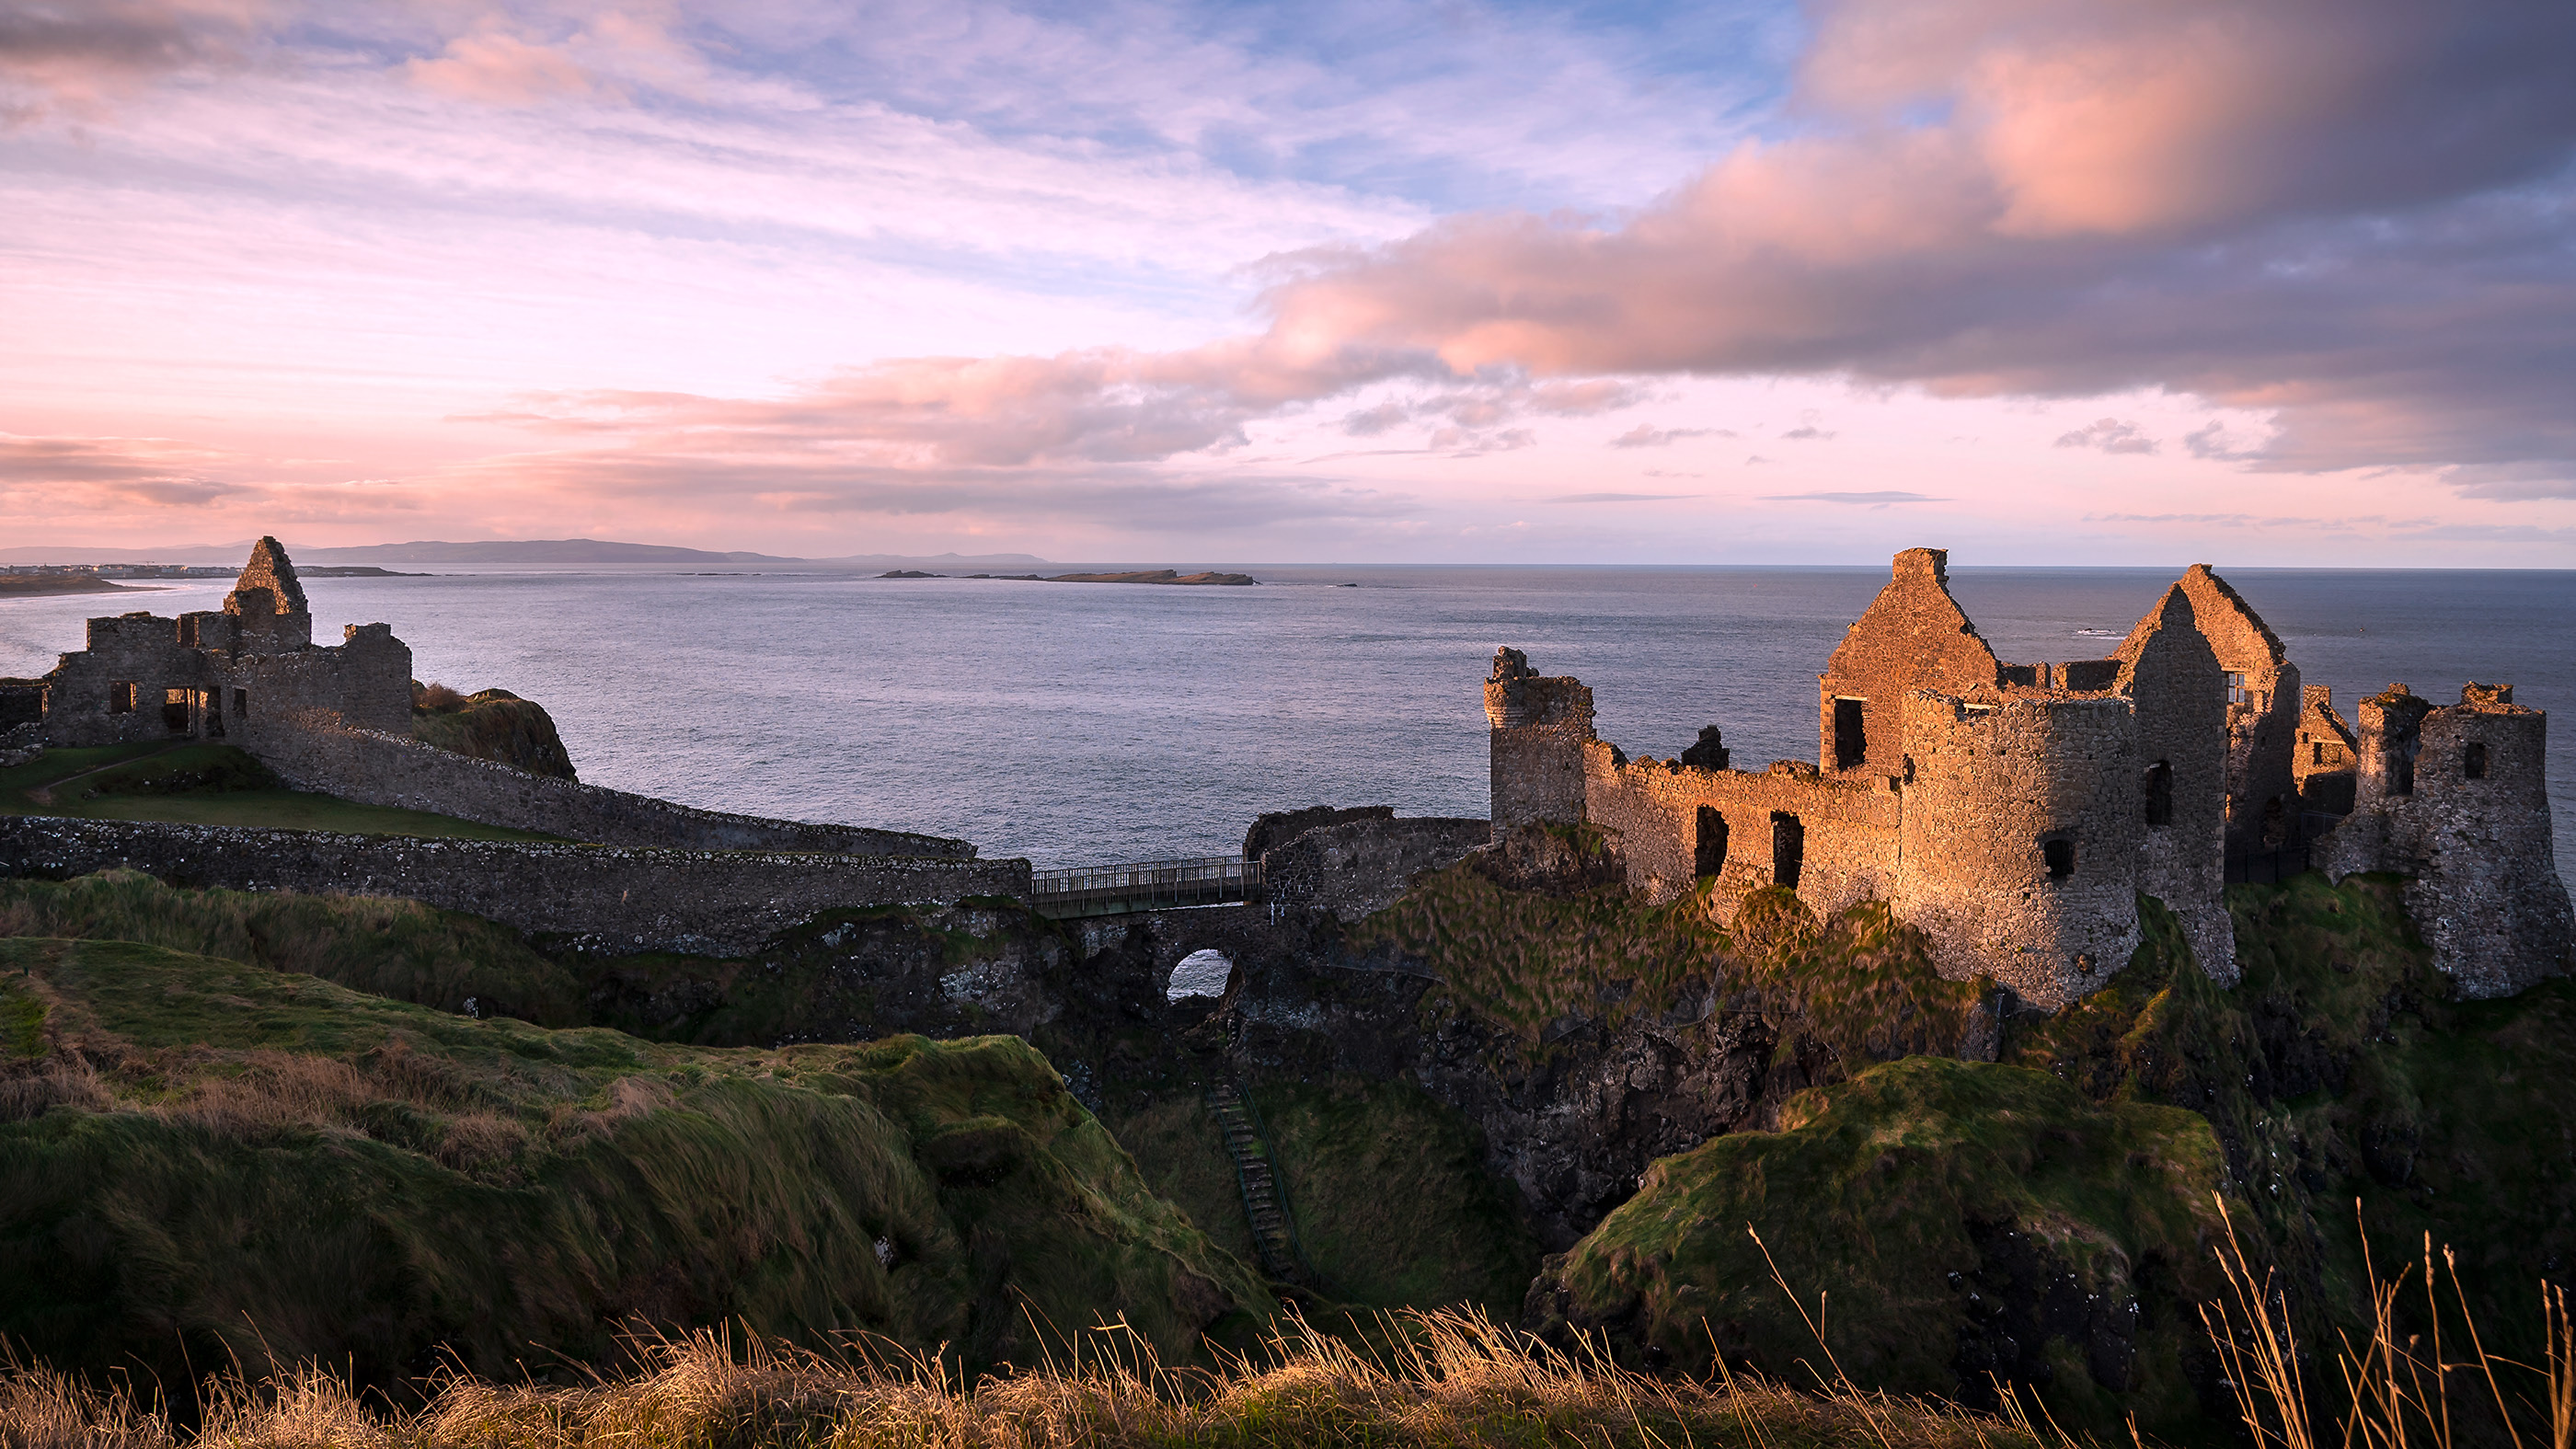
{"x":195,"y":783}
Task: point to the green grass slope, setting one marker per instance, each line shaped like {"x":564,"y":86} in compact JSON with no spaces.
{"x":375,"y":944}
{"x":1393,"y":1204}
{"x":195,"y":783}
{"x":201,"y":1160}
{"x":1958,"y":1214}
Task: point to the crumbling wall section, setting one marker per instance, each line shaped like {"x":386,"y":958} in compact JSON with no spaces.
{"x":1360,"y":866}
{"x":2173,"y":681}
{"x":696,"y":902}
{"x":2457,"y":799}
{"x":2019,"y":844}
{"x":365,"y":683}
{"x":117,"y":690}
{"x":376,"y":768}
{"x":2325,"y":754}
{"x":1276,"y":828}
{"x":1540,"y":727}
{"x":1844,"y":829}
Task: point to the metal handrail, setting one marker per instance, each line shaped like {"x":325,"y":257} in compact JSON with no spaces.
{"x":1196,"y":881}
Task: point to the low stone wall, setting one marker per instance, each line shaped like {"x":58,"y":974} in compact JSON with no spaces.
{"x":374,"y":768}
{"x":626,"y":899}
{"x":1362,"y":866}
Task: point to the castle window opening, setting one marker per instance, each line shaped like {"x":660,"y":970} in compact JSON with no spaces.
{"x":1851,"y":740}
{"x":2401,"y":773}
{"x":1708,"y":849}
{"x":2473,"y":760}
{"x":174,"y":710}
{"x":120,"y":698}
{"x":2316,"y":752}
{"x":2159,"y":791}
{"x":2236,"y":691}
{"x":2059,"y":853}
{"x":241,"y":704}
{"x":1788,"y":848}
{"x":2276,"y":824}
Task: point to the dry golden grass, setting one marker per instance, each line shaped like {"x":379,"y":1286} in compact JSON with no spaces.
{"x":1445,"y":1380}
{"x":2396,"y":1388}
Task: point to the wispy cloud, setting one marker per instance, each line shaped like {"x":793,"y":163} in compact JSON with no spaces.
{"x":1619,"y":497}
{"x":1647,"y":435}
{"x":1880,"y":498}
{"x":2111,"y":436}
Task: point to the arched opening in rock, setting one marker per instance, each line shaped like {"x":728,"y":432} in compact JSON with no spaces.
{"x":1200,"y":973}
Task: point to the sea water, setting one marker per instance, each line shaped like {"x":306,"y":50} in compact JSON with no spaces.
{"x":1083,"y":723}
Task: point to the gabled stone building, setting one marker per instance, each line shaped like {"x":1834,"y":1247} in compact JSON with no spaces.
{"x":2016,"y":812}
{"x":227,"y":673}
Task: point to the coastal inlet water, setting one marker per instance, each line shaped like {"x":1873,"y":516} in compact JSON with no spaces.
{"x":1076,"y":723}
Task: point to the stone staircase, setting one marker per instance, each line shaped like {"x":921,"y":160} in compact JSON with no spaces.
{"x":1274,"y":1236}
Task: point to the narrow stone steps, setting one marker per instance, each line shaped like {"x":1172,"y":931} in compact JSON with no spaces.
{"x":1273,"y":1234}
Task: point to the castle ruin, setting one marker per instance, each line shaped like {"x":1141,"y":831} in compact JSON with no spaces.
{"x":2016,"y":813}
{"x":247,"y":670}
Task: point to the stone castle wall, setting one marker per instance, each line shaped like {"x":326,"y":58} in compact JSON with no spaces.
{"x":1540,"y":727}
{"x":695,"y":902}
{"x":2173,"y":677}
{"x":376,"y":768}
{"x":1993,"y":792}
{"x":1844,"y":829}
{"x":2457,"y":799}
{"x":1360,"y":866}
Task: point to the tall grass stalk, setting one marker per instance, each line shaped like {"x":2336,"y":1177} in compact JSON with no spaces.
{"x":2396,"y":1383}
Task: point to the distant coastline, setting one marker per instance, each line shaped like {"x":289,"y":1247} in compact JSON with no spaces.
{"x":1136,"y":576}
{"x":18,"y":586}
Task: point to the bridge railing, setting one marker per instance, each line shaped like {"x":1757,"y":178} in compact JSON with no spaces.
{"x":1148,"y":885}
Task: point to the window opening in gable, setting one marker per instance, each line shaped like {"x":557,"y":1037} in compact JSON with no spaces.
{"x":1851,"y":737}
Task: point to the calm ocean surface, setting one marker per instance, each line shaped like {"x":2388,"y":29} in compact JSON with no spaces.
{"x":1077,"y":723}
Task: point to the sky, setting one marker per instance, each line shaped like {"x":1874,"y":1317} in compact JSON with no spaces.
{"x":2109,"y":282}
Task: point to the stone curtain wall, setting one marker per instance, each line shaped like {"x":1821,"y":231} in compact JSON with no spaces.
{"x":1990,"y":790}
{"x":1850,"y":825}
{"x":375,"y":768}
{"x":1360,"y":866}
{"x":697,"y":902}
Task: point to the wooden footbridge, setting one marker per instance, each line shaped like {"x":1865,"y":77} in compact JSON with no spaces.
{"x":1151,"y":885}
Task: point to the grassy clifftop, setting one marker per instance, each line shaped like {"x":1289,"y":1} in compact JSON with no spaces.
{"x":195,"y":783}
{"x":490,"y":724}
{"x":202,"y":1159}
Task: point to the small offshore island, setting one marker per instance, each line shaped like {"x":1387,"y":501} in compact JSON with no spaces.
{"x":346,"y":1024}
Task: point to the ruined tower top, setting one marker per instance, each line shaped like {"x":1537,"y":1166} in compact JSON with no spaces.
{"x":269,"y":600}
{"x":1933,"y":563}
